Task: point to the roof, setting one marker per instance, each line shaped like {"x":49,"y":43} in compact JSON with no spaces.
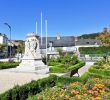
{"x":64,"y":41}
{"x":87,"y":42}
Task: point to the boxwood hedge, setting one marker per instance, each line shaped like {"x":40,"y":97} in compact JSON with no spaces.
{"x":102,"y":72}
{"x":6,"y":65}
{"x":94,"y":50}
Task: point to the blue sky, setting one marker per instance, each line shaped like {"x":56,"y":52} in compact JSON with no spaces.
{"x":68,"y":17}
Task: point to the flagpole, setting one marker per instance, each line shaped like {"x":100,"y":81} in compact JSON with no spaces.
{"x":46,"y":39}
{"x":41,"y":28}
{"x":36,"y":27}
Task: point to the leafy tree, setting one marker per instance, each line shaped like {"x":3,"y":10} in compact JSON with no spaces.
{"x":20,"y":47}
{"x":91,"y":36}
{"x":104,"y":38}
{"x":2,"y":47}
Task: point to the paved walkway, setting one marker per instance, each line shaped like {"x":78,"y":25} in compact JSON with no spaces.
{"x":10,"y":79}
{"x":85,"y":68}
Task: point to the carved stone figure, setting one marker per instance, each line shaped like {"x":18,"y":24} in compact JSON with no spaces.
{"x":32,"y":60}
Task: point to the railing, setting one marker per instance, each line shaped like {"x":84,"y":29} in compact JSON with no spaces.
{"x":92,"y":57}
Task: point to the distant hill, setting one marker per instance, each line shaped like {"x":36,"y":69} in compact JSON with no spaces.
{"x":91,"y":36}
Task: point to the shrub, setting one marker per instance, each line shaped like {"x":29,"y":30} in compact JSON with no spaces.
{"x":5,"y":65}
{"x":93,"y":89}
{"x":61,"y":68}
{"x":57,"y":70}
{"x":53,"y":63}
{"x":79,"y":65}
{"x":103,"y":72}
{"x":85,"y":77}
{"x":94,"y":50}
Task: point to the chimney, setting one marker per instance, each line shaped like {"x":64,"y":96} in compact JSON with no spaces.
{"x":58,"y":36}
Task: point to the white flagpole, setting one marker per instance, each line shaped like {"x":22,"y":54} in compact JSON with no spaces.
{"x":36,"y":26}
{"x":41,"y":28}
{"x":46,"y":38}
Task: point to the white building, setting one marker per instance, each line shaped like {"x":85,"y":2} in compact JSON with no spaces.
{"x":3,"y":39}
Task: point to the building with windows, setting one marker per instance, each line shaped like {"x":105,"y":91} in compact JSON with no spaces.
{"x":3,"y":39}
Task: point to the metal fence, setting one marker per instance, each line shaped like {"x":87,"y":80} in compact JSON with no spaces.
{"x":92,"y":57}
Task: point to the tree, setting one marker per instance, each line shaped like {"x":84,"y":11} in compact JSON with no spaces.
{"x":20,"y":47}
{"x":2,"y":47}
{"x":104,"y":38}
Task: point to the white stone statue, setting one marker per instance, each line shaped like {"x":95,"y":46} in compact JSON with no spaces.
{"x":32,"y":60}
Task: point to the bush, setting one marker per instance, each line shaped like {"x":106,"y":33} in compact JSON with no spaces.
{"x":103,"y":72}
{"x":94,"y":50}
{"x":61,"y":68}
{"x":5,"y":65}
{"x":85,"y":77}
{"x":53,"y":63}
{"x":57,"y":70}
{"x":79,"y":65}
{"x":93,"y":89}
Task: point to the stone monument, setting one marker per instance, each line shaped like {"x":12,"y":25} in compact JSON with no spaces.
{"x":32,"y":60}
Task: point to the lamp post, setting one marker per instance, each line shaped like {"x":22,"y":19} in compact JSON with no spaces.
{"x":10,"y":38}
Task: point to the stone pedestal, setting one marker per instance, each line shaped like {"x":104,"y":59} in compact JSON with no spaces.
{"x":32,"y":61}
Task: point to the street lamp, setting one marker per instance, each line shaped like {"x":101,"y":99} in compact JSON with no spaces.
{"x":10,"y":37}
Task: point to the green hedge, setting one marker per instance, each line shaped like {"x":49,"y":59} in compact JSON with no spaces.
{"x":79,"y":65}
{"x":52,"y":63}
{"x":57,"y":70}
{"x":6,"y":65}
{"x":94,"y":50}
{"x":102,"y":72}
{"x":60,"y":69}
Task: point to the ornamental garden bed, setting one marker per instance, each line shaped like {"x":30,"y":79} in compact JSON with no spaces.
{"x":93,"y":89}
{"x":60,"y":88}
{"x":101,"y":68}
{"x":65,"y":63}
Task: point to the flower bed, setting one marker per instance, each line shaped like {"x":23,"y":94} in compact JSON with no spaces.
{"x":93,"y":89}
{"x":34,"y":87}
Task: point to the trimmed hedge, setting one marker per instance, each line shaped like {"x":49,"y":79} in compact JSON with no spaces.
{"x":103,"y":72}
{"x":94,"y":50}
{"x":6,"y":65}
{"x":79,"y":65}
{"x":60,"y":69}
{"x":57,"y":70}
{"x":53,"y":63}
